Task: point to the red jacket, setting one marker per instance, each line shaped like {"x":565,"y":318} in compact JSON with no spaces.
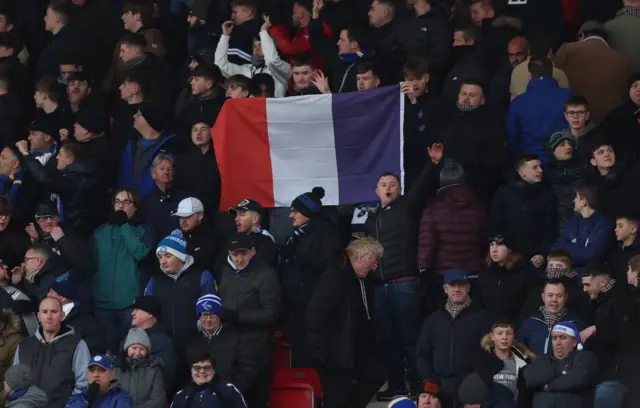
{"x":453,"y":232}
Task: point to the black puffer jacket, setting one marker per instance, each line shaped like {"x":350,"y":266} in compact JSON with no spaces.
{"x":526,"y":212}
{"x":396,"y":229}
{"x":565,"y":177}
{"x":503,"y":291}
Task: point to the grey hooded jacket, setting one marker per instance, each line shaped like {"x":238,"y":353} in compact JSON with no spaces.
{"x":34,"y":398}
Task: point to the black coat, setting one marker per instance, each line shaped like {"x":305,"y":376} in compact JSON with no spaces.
{"x":237,"y":356}
{"x":305,"y":258}
{"x":396,"y":228}
{"x":67,"y":41}
{"x":503,"y":292}
{"x":622,"y":125}
{"x":12,"y":120}
{"x":122,"y":130}
{"x":526,"y":212}
{"x":158,"y":208}
{"x":470,"y":62}
{"x":447,"y":348}
{"x":619,"y":257}
{"x":419,"y":120}
{"x":77,"y":187}
{"x":85,"y":324}
{"x":338,"y":319}
{"x":618,"y":190}
{"x":565,"y":177}
{"x":162,"y":349}
{"x":198,"y":109}
{"x":202,"y":247}
{"x":198,"y":175}
{"x":50,"y":272}
{"x":475,"y":140}
{"x":13,"y":245}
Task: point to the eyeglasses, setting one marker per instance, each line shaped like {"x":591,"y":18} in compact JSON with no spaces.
{"x":30,"y":258}
{"x":205,"y":316}
{"x":123,"y":202}
{"x":4,"y":217}
{"x":576,"y":113}
{"x":199,"y":368}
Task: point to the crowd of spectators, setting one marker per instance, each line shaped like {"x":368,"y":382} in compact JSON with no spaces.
{"x":499,"y":270}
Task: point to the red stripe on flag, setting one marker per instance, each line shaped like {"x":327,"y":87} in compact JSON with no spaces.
{"x":241,"y":143}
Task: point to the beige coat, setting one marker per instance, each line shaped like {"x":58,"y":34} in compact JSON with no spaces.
{"x":520,"y":79}
{"x":597,"y":72}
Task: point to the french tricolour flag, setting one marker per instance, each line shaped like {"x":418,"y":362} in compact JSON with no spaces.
{"x":274,"y":149}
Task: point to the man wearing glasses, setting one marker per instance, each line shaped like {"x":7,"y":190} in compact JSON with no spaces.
{"x":205,"y":388}
{"x":581,"y":128}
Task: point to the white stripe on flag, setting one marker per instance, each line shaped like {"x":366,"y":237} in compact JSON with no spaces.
{"x":302,"y":144}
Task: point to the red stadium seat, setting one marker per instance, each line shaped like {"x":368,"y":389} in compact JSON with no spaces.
{"x":292,"y":395}
{"x":306,"y":376}
{"x":281,"y":356}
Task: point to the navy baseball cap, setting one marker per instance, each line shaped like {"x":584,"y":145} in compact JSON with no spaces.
{"x":455,"y":275}
{"x":102,"y":361}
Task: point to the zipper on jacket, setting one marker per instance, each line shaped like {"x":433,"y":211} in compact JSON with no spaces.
{"x":379,"y":220}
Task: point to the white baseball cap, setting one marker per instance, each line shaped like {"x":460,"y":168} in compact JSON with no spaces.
{"x":188,"y":207}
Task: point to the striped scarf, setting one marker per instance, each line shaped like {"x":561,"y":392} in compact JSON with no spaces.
{"x":628,"y":10}
{"x":609,"y":285}
{"x":558,"y":273}
{"x":455,"y":310}
{"x":552,"y":318}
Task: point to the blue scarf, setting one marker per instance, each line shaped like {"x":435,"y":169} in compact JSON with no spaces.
{"x":353,"y":56}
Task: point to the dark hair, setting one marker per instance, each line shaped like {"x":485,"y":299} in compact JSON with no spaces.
{"x":74,"y":149}
{"x":8,"y":12}
{"x":596,"y":268}
{"x":5,"y":206}
{"x":137,"y":77}
{"x":540,"y":67}
{"x":503,"y":322}
{"x":357,"y":34}
{"x":145,"y":9}
{"x":239,"y":80}
{"x":473,"y":81}
{"x":486,"y":4}
{"x":634,"y":263}
{"x":5,"y":80}
{"x":589,"y":194}
{"x":304,"y":59}
{"x":48,"y":86}
{"x":62,"y":7}
{"x":388,"y":174}
{"x":415,"y":68}
{"x":598,"y":143}
{"x":554,"y":281}
{"x":71,"y":58}
{"x":10,"y":39}
{"x":632,"y":218}
{"x":132,"y":193}
{"x":134,"y":40}
{"x":596,"y":32}
{"x":251,"y":4}
{"x":524,"y":158}
{"x":470,"y":32}
{"x":365,"y":66}
{"x":576,"y":100}
{"x":197,"y":354}
{"x":263,"y":83}
{"x":539,"y":44}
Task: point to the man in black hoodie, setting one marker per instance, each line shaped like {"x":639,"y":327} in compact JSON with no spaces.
{"x":65,"y":38}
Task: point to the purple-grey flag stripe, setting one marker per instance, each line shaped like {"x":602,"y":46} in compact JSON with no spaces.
{"x":367,"y":128}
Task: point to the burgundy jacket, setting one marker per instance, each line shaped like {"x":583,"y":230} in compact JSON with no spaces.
{"x":453,"y":232}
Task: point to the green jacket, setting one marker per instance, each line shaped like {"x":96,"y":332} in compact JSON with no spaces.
{"x":117,"y":251}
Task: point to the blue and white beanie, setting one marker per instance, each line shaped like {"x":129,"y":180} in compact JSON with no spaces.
{"x":569,"y":329}
{"x":209,"y":304}
{"x":175,"y":244}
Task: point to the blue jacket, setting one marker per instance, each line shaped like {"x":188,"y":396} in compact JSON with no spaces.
{"x":217,"y":395}
{"x":535,"y":333}
{"x":115,"y":397}
{"x":143,"y":183}
{"x":535,"y":115}
{"x":585,"y":239}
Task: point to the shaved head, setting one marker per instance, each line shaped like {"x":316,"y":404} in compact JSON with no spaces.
{"x":518,"y":50}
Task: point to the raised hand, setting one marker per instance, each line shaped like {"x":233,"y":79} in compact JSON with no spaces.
{"x":227,"y":27}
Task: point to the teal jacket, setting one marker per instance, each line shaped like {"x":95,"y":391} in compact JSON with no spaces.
{"x":118,"y":251}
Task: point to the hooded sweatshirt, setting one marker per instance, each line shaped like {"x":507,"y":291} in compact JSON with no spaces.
{"x":32,"y":397}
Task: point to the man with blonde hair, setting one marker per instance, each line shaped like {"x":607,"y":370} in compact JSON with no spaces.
{"x":340,"y":332}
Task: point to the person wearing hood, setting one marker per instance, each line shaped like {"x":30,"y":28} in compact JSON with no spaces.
{"x":473,"y":135}
{"x":206,"y":389}
{"x":19,"y":390}
{"x":119,"y":246}
{"x":351,"y":49}
{"x":237,"y":358}
{"x":506,"y":282}
{"x":251,"y":299}
{"x":159,"y":206}
{"x":453,"y":213}
{"x":469,"y":61}
{"x":79,"y":315}
{"x":57,"y":357}
{"x":525,"y":209}
{"x":622,"y":124}
{"x":248,"y":219}
{"x":567,"y":378}
{"x":10,"y":337}
{"x":306,"y":255}
{"x":565,"y":172}
{"x":178,"y":287}
{"x":74,"y":180}
{"x":139,"y":373}
{"x":265,"y":58}
{"x":586,"y":236}
{"x":581,"y":129}
{"x":104,"y":390}
{"x":135,"y":162}
{"x":628,"y":245}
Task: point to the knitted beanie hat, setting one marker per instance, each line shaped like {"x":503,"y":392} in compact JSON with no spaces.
{"x":309,"y":204}
{"x":175,"y":244}
{"x":137,"y":336}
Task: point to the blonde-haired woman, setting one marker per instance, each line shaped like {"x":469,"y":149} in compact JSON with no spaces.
{"x":340,"y":332}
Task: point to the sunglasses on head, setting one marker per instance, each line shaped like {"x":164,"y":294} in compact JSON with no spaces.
{"x":498,"y":239}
